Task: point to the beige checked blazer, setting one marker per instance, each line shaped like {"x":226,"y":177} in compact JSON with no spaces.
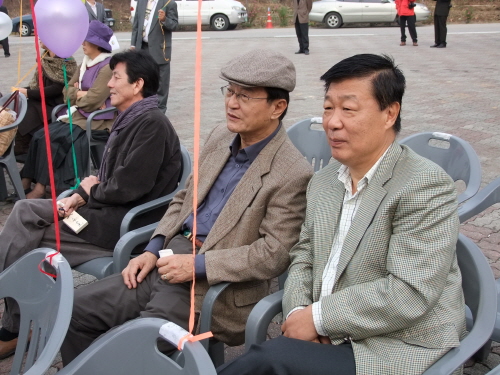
{"x":250,"y":241}
{"x":302,"y":10}
{"x":397,"y":294}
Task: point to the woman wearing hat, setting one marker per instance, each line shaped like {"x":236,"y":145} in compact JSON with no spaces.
{"x":53,"y":83}
{"x":87,"y":92}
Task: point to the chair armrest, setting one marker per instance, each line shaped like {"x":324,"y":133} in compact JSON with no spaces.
{"x":481,"y":201}
{"x":260,"y":317}
{"x":65,"y":194}
{"x":56,"y":109}
{"x":143,"y":208}
{"x":127,"y":243}
{"x":91,"y":117}
{"x":207,"y":307}
{"x":8,"y":127}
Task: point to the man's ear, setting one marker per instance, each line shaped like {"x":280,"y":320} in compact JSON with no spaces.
{"x":279,"y":107}
{"x":392,"y":113}
{"x":138,"y":85}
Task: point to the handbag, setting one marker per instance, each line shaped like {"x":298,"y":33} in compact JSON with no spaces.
{"x":412,"y":5}
{"x":8,"y":117}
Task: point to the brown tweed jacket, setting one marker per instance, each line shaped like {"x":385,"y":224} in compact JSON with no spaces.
{"x":249,"y":243}
{"x":302,"y":10}
{"x":397,"y":294}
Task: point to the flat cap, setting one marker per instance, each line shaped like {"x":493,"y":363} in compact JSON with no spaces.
{"x":260,"y":68}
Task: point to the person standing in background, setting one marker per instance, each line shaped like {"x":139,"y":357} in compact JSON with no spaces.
{"x":152,"y":29}
{"x":301,"y":9}
{"x":5,"y":42}
{"x":440,"y":15}
{"x":95,"y":10}
{"x":406,"y":13}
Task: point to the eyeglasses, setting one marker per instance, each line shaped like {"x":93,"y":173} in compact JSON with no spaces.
{"x":242,"y":98}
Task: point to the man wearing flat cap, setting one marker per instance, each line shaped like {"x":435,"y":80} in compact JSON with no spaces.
{"x":251,"y":194}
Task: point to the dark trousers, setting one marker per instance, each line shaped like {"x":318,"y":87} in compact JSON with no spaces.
{"x":302,"y":31}
{"x":29,"y":226}
{"x":285,"y":356}
{"x":108,"y":303}
{"x":5,"y":45}
{"x":410,"y":20}
{"x":440,"y":29}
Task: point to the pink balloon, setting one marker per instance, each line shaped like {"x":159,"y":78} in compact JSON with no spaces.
{"x":62,"y":25}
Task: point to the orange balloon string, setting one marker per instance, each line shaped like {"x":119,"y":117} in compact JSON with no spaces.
{"x":196,"y":151}
{"x":47,"y":142}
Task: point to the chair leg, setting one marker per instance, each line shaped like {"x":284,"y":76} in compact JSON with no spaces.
{"x":483,"y":353}
{"x":3,"y":186}
{"x":15,"y":177}
{"x":216,"y":352}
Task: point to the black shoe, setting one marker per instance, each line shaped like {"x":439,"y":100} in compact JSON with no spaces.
{"x":7,"y":55}
{"x":435,"y":45}
{"x":442,"y":45}
{"x":299,"y":52}
{"x":306,"y":52}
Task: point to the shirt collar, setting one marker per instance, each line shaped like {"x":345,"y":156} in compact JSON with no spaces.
{"x":344,"y":175}
{"x":254,"y":150}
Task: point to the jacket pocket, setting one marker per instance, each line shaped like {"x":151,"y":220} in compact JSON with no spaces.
{"x":250,"y":294}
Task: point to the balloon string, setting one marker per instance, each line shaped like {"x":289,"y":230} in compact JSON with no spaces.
{"x":196,"y":151}
{"x":20,"y":37}
{"x":70,"y":116}
{"x":47,"y":143}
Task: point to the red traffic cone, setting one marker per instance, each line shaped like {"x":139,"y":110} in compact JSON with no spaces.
{"x":269,"y":23}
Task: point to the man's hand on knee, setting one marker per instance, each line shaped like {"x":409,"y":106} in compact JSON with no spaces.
{"x":176,"y":268}
{"x":138,"y":268}
{"x":300,"y":325}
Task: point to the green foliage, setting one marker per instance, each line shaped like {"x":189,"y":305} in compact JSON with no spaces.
{"x":469,"y":12}
{"x":284,"y":16}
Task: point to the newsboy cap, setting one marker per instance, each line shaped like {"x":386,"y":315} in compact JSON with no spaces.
{"x":260,"y":68}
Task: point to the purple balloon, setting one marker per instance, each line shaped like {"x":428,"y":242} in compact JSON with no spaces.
{"x":1,"y":2}
{"x":62,"y":25}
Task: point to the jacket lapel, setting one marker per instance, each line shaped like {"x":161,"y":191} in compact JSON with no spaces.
{"x":372,"y":197}
{"x":244,"y":193}
{"x":326,"y":218}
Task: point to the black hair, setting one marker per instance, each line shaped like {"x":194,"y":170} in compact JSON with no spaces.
{"x":139,"y":64}
{"x":388,"y":81}
{"x":274,"y":93}
{"x":102,"y":49}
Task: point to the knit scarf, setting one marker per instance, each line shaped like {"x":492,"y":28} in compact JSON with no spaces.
{"x":52,"y":69}
{"x":123,"y":120}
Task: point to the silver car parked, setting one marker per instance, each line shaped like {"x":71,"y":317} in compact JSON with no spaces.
{"x":335,"y":13}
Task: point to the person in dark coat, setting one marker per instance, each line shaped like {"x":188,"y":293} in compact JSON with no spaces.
{"x":301,"y":10}
{"x":440,"y":15}
{"x":95,"y":10}
{"x":131,"y":174}
{"x":5,"y":42}
{"x":53,"y":83}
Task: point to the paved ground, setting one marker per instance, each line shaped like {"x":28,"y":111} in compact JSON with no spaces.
{"x":453,"y":90}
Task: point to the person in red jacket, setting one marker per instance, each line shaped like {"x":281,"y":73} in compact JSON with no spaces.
{"x":406,"y":13}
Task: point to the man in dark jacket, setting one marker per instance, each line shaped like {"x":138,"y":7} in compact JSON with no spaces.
{"x":440,"y":15}
{"x":5,"y":42}
{"x":103,"y":200}
{"x":301,"y":10}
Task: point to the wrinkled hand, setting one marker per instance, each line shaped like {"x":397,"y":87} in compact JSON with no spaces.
{"x":103,"y":106}
{"x":178,"y":268}
{"x":88,"y":182}
{"x":161,"y":16}
{"x":81,"y":94}
{"x":22,"y":90}
{"x":132,"y":48}
{"x":66,"y":206}
{"x":300,"y":325}
{"x":143,"y":263}
{"x":76,"y":85}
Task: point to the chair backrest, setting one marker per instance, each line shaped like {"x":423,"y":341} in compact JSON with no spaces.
{"x":45,"y":305}
{"x":132,"y":349}
{"x":480,"y":294}
{"x":453,"y":154}
{"x":311,"y":143}
{"x":23,"y":106}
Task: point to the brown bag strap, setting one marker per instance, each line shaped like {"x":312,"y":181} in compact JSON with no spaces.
{"x":13,"y":96}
